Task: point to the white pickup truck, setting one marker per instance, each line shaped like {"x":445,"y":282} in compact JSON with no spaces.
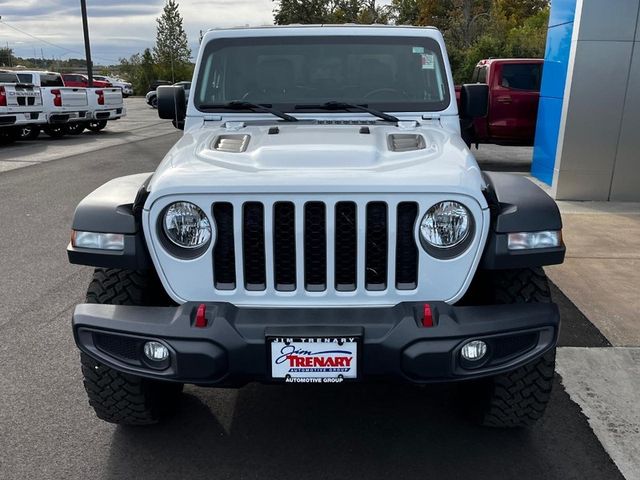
{"x":61,"y":104}
{"x":20,"y":106}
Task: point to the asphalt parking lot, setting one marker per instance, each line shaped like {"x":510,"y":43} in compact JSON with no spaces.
{"x":47,"y":429}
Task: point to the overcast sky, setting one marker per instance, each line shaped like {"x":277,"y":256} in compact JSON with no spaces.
{"x":118,"y":28}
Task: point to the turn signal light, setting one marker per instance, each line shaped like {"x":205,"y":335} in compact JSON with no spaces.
{"x":3,"y":97}
{"x":100,"y":94}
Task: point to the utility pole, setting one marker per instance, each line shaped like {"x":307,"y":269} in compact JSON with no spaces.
{"x":87,"y":46}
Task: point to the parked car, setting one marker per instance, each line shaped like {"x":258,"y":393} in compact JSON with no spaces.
{"x":62,"y":104}
{"x":300,"y":233}
{"x":126,"y":87}
{"x":152,"y":97}
{"x":81,"y":80}
{"x":20,"y":107}
{"x":514,"y":92}
{"x":105,"y":104}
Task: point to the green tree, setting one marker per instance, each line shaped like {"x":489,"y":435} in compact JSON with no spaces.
{"x":172,"y":53}
{"x":329,"y":11}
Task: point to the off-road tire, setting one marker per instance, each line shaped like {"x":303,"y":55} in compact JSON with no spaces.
{"x":96,"y":125}
{"x":118,"y":397}
{"x":517,"y":398}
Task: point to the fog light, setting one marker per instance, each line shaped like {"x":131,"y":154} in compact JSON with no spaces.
{"x":474,"y":350}
{"x":156,"y":351}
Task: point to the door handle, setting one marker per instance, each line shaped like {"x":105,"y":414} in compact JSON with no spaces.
{"x":503,"y":100}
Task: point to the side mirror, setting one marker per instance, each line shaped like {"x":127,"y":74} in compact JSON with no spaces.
{"x":474,"y":100}
{"x":172,"y":104}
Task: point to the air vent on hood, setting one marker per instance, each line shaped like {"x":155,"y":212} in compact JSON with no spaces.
{"x":406,"y":142}
{"x":231,"y":143}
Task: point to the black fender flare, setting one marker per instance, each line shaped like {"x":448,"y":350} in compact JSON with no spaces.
{"x":114,"y":207}
{"x":518,"y":205}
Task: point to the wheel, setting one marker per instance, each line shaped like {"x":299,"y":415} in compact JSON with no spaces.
{"x":517,"y":398}
{"x":29,"y":132}
{"x":118,"y":397}
{"x":96,"y":125}
{"x":57,"y":131}
{"x":154,"y":102}
{"x":75,"y":128}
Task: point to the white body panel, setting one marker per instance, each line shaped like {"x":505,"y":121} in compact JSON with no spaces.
{"x":111,"y":109}
{"x":24,"y":105}
{"x":308,"y":161}
{"x":75,"y":104}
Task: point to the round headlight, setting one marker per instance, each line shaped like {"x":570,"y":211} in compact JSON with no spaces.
{"x":186,"y":225}
{"x":445,"y":225}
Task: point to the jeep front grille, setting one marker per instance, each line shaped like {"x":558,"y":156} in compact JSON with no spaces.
{"x":327,"y":236}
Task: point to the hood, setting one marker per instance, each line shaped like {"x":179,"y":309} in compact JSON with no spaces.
{"x":321,"y":157}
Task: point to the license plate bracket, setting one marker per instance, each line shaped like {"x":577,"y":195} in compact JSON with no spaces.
{"x":314,"y":358}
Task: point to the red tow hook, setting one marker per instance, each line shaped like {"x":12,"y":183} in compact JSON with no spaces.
{"x":427,"y":318}
{"x":201,"y":316}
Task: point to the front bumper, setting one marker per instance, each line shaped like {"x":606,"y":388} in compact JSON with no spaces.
{"x":232,"y":348}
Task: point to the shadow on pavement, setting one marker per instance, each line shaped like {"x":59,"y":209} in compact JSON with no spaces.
{"x":352,"y":431}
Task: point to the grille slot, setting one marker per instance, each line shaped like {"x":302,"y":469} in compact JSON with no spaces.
{"x":406,"y":248}
{"x":124,"y":348}
{"x":315,"y":246}
{"x":369,"y":246}
{"x":376,"y":246}
{"x":346,"y":255}
{"x":284,"y":246}
{"x":253,"y":246}
{"x":224,"y":258}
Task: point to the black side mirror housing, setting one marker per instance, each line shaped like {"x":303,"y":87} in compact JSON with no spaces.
{"x":172,"y":104}
{"x":474,"y":100}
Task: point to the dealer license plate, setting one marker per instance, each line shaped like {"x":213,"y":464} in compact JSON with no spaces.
{"x":314,"y":359}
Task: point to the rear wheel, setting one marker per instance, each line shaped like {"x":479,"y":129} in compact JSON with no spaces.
{"x":96,"y":125}
{"x":29,"y":132}
{"x":154,"y":102}
{"x":75,"y":128}
{"x":57,"y":131}
{"x":517,"y":398}
{"x":118,"y":397}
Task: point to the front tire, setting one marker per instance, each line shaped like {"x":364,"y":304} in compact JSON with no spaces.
{"x":517,"y":398}
{"x":118,"y":397}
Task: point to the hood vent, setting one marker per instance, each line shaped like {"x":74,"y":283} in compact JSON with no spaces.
{"x":231,"y":143}
{"x":406,"y":142}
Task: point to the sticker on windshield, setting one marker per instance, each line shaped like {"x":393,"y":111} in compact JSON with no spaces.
{"x":428,"y":61}
{"x":418,"y":49}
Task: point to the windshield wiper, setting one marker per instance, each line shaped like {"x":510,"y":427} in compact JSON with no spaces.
{"x":255,"y":107}
{"x":350,"y":106}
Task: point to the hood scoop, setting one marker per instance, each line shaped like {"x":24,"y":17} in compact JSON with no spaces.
{"x":406,"y":142}
{"x":231,"y":143}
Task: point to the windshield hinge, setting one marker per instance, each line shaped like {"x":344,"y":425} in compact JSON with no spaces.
{"x":212,"y":118}
{"x":407,"y":124}
{"x":431,"y":116}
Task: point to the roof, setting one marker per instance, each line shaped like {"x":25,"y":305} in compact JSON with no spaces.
{"x":322,"y":25}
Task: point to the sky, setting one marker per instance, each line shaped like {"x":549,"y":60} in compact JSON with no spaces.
{"x":118,"y":28}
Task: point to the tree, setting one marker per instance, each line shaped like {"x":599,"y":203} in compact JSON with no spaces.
{"x":329,"y":11}
{"x":171,"y":52}
{"x":6,"y":57}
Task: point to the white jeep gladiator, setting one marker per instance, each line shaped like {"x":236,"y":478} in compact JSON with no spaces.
{"x":320,"y":221}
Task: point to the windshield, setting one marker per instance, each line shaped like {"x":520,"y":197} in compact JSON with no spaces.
{"x":385,"y":73}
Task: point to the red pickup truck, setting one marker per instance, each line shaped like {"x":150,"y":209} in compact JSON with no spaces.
{"x":514,"y":91}
{"x":79,"y":80}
